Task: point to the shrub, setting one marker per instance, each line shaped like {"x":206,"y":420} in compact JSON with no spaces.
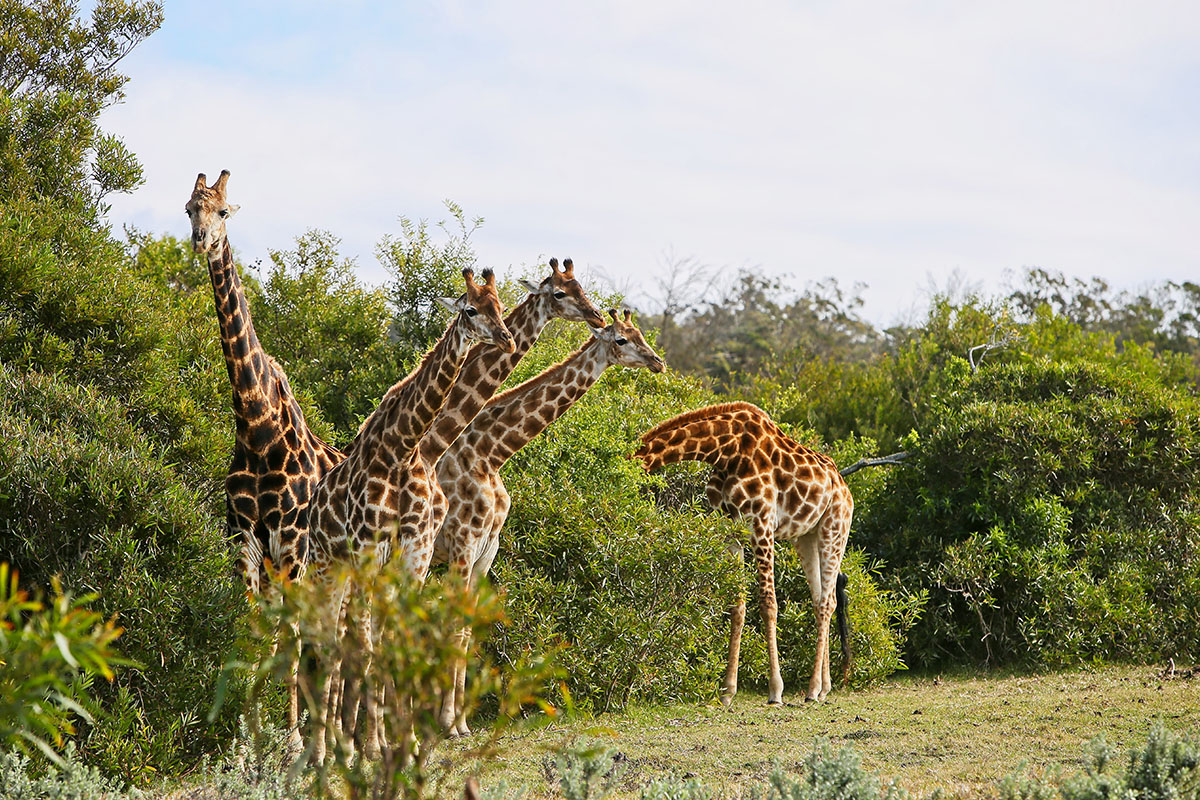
{"x":87,"y":496}
{"x":1050,"y":512}
{"x":49,"y":655}
{"x":21,"y":780}
{"x":415,"y":644}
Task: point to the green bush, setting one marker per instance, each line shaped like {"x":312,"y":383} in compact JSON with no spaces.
{"x":639,"y":593}
{"x":88,"y":497}
{"x":1050,"y":512}
{"x":49,"y":655}
{"x":20,"y":779}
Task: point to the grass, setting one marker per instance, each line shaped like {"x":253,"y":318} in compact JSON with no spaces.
{"x":960,"y":733}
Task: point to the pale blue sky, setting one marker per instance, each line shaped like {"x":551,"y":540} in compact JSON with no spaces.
{"x":887,"y":143}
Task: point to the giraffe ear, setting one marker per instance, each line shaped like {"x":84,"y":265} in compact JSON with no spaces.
{"x":603,"y":333}
{"x":233,"y":209}
{"x":448,"y":303}
{"x":531,"y":286}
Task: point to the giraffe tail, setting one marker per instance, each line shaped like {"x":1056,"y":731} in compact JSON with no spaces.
{"x":843,"y":626}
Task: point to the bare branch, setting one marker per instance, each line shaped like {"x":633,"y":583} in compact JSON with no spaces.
{"x":894,"y":458}
{"x":997,"y":342}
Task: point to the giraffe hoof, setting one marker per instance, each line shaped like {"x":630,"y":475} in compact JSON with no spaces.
{"x":776,"y":703}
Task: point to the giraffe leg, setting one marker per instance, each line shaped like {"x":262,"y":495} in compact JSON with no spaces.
{"x":448,"y":718}
{"x":371,"y":706}
{"x":481,"y":567}
{"x":764,"y":556}
{"x":822,"y":558}
{"x":737,"y":619}
{"x":810,"y":555}
{"x":326,"y":721}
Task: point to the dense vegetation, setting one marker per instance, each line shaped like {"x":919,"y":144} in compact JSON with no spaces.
{"x":1047,"y":514}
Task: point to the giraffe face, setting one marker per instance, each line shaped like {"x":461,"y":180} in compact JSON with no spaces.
{"x":626,"y":345}
{"x":208,"y":211}
{"x":480,"y":312}
{"x":565,"y":296}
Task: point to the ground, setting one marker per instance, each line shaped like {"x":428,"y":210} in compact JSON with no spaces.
{"x":959,"y":733}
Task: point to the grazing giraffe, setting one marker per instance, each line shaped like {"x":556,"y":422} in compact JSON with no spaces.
{"x":469,"y":472}
{"x":377,"y":501}
{"x":785,"y":491}
{"x":277,"y":460}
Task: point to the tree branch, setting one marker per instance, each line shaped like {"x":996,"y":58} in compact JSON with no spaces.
{"x":894,"y":458}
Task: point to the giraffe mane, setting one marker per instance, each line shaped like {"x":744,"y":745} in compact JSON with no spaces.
{"x":688,"y":417}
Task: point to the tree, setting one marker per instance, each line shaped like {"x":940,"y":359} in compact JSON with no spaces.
{"x":328,"y":330}
{"x":423,"y":270}
{"x":57,"y":74}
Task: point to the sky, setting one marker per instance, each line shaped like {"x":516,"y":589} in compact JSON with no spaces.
{"x":892,"y":144}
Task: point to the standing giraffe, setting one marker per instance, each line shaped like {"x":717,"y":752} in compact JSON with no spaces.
{"x":785,"y":491}
{"x":277,"y":460}
{"x":560,"y":295}
{"x":377,"y":502}
{"x":469,"y":472}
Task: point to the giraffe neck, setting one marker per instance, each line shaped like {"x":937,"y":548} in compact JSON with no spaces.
{"x":511,"y":420}
{"x":410,"y":406}
{"x":485,"y":368}
{"x":255,"y":390}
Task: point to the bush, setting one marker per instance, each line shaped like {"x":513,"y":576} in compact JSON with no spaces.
{"x":1050,"y":513}
{"x":48,"y":658}
{"x":87,"y":496}
{"x":415,"y":645}
{"x":639,"y":593}
{"x":21,"y":780}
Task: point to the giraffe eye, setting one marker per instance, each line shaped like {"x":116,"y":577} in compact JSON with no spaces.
{"x":224,"y":213}
{"x":622,"y":340}
{"x":559,"y":295}
{"x":471,"y":311}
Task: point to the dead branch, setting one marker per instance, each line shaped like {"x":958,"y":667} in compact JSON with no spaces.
{"x":997,"y":342}
{"x":894,"y":458}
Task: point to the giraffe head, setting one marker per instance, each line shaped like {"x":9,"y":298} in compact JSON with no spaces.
{"x":480,"y":313}
{"x":208,"y":211}
{"x":565,"y":295}
{"x":626,"y":346}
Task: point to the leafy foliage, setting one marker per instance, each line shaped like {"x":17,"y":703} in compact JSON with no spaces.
{"x":49,"y":655}
{"x":329,"y":331}
{"x":415,"y":644}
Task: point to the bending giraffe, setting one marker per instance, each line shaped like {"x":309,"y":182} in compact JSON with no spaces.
{"x":277,"y":460}
{"x":378,"y":501}
{"x":469,"y":472}
{"x":785,"y":491}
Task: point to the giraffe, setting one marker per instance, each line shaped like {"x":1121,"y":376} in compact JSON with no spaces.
{"x":277,"y":459}
{"x":785,"y":491}
{"x":469,"y":472}
{"x":559,"y":296}
{"x":377,"y":501}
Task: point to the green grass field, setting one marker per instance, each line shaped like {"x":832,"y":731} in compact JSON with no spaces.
{"x":958,"y":733}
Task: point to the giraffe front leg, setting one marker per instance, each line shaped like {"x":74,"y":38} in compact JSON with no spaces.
{"x":764,"y":555}
{"x":737,"y":620}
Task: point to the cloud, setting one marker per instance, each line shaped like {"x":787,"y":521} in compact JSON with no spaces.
{"x":875,"y":142}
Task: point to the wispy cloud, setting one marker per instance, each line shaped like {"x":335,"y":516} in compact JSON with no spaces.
{"x":876,"y":142}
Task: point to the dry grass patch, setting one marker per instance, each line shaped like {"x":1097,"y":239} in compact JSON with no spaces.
{"x":955,"y":732}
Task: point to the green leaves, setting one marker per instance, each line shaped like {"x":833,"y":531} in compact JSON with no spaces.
{"x":48,"y":653}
